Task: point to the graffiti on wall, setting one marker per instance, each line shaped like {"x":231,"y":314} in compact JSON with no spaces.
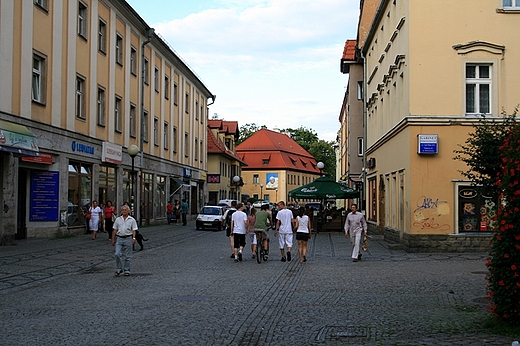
{"x":431,"y":214}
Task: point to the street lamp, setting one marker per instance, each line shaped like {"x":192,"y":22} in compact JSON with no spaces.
{"x":276,"y":195}
{"x":133,"y":150}
{"x":236,"y":180}
{"x":261,"y":187}
{"x":320,"y":166}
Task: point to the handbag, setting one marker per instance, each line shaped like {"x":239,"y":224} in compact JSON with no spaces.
{"x":114,"y":217}
{"x":89,"y":214}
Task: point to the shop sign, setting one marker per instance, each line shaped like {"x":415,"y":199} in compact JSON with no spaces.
{"x":112,"y":153}
{"x":213,"y":178}
{"x":82,"y":148}
{"x":428,"y":144}
{"x":468,"y":193}
{"x":186,"y":172}
{"x":44,"y":196}
{"x":42,"y":158}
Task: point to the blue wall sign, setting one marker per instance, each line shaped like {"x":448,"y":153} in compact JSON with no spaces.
{"x":428,"y":144}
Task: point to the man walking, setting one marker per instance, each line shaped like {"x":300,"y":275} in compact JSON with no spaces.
{"x":239,"y":225}
{"x":284,"y":226}
{"x":123,"y":237}
{"x":184,"y":211}
{"x":357,"y":226}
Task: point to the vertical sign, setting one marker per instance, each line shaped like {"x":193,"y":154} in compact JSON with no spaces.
{"x":44,"y":196}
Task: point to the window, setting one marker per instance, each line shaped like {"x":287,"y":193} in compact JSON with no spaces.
{"x":175,"y":93}
{"x":101,"y":107}
{"x":360,"y":90}
{"x":146,"y":73}
{"x":187,"y":104}
{"x":82,"y":20}
{"x":165,"y":135}
{"x":119,"y":49}
{"x":186,"y":144}
{"x":512,"y":4}
{"x":44,"y":4}
{"x":133,"y":61}
{"x":80,"y":97}
{"x":196,"y":110}
{"x":255,"y":179}
{"x":133,"y":121}
{"x":174,"y":139}
{"x":478,"y":89}
{"x":156,"y":78}
{"x":145,"y":126}
{"x":156,"y":131}
{"x":38,"y":78}
{"x":201,"y":150}
{"x":102,"y":39}
{"x":118,"y":114}
{"x":196,"y":149}
{"x":360,"y":146}
{"x":166,"y":87}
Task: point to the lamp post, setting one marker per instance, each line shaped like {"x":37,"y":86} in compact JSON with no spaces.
{"x":276,"y":195}
{"x":133,"y":150}
{"x":236,"y":180}
{"x":261,"y":188}
{"x":320,"y":166}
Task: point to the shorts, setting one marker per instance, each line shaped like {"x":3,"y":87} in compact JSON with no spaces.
{"x":252,"y":238}
{"x":239,"y":240}
{"x":302,"y":236}
{"x":228,"y":231}
{"x":285,"y":239}
{"x":264,"y":232}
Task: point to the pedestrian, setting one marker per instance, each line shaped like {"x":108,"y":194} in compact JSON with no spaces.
{"x":96,"y":215}
{"x":303,"y":233}
{"x":184,"y":211}
{"x":239,"y":225}
{"x":284,"y":227}
{"x":226,"y":220}
{"x":169,"y":212}
{"x":110,"y":215}
{"x":357,"y":226}
{"x":251,"y":218}
{"x":123,"y":237}
{"x":262,"y":225}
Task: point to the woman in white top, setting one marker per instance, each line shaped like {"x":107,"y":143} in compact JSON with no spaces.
{"x":303,"y":233}
{"x":96,"y":215}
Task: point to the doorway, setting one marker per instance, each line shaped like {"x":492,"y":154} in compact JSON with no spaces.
{"x":21,"y":214}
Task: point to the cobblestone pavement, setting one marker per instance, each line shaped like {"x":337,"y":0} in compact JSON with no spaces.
{"x":185,"y":290}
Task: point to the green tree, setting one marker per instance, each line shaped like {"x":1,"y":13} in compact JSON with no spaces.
{"x":324,"y":151}
{"x":303,"y":136}
{"x":247,"y":131}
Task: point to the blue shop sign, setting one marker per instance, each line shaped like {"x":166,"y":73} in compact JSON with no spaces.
{"x":186,"y":172}
{"x":82,"y":148}
{"x":428,"y":144}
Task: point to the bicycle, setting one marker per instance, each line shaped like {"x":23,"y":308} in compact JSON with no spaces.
{"x":261,"y":253}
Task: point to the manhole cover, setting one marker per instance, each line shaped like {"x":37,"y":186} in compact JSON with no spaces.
{"x":345,"y":333}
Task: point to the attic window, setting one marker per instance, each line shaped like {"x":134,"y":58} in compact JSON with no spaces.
{"x":304,"y":163}
{"x":293,"y":160}
{"x":265,"y":161}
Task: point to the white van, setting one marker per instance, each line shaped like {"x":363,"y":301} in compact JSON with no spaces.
{"x":226,"y":203}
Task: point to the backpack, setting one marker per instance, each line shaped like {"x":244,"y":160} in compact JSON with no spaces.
{"x":227,"y":222}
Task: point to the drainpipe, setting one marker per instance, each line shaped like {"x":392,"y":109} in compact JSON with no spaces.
{"x":363,"y":169}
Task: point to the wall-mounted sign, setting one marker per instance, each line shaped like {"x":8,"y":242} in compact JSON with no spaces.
{"x":112,"y":153}
{"x":213,"y":178}
{"x":186,"y":172}
{"x":82,"y":148}
{"x":44,"y":196}
{"x":427,"y":144}
{"x":43,"y":158}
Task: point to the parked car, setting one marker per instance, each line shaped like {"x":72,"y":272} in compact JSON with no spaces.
{"x":226,"y":203}
{"x":316,"y":205}
{"x":211,"y":216}
{"x":260,"y":203}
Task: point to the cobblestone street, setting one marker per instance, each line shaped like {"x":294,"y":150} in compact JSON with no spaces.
{"x":185,"y":290}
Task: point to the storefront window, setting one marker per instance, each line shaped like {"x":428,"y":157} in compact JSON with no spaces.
{"x":107,"y":185}
{"x":79,"y":193}
{"x":127,"y":187}
{"x":160,"y":197}
{"x":476,"y":213}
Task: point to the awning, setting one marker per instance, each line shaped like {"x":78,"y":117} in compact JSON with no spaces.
{"x":182,"y":185}
{"x":17,"y":139}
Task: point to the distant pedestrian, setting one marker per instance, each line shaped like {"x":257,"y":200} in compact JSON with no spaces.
{"x":251,"y":218}
{"x":96,"y":215}
{"x":226,"y":223}
{"x":184,"y":211}
{"x":177,"y":211}
{"x":239,"y":225}
{"x":169,"y":212}
{"x":357,"y":226}
{"x":123,"y":237}
{"x":303,"y":233}
{"x":284,"y":228}
{"x":110,"y":216}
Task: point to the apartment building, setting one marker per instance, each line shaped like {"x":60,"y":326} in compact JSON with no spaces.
{"x":81,"y":82}
{"x":432,"y":69}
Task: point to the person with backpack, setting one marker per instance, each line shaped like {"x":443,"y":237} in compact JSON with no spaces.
{"x":227,"y":226}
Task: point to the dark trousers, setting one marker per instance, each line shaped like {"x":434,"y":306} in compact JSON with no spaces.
{"x":184,"y":221}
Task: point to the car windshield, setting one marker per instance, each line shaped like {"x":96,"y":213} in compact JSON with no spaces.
{"x":211,"y":211}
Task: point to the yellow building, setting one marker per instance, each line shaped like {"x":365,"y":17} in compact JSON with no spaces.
{"x":88,"y":79}
{"x":431,"y":69}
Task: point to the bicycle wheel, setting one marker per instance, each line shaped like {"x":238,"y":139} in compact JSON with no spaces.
{"x":259,"y":250}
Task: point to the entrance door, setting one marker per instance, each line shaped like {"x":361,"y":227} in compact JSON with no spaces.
{"x":21,"y":214}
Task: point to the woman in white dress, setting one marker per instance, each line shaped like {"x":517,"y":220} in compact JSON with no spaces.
{"x":96,"y":214}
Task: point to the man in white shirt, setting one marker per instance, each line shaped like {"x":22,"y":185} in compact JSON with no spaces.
{"x":123,"y":237}
{"x":284,"y":226}
{"x":239,"y":224}
{"x":356,"y":225}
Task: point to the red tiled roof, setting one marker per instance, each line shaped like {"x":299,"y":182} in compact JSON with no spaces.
{"x":216,"y":146}
{"x":227,"y":127}
{"x":349,"y":51}
{"x":280,"y":151}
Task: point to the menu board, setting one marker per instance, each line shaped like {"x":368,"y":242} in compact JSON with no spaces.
{"x":44,"y":196}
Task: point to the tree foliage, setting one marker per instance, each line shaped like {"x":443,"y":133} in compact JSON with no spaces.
{"x":303,"y":136}
{"x":324,"y":151}
{"x":493,"y":158}
{"x":247,"y":131}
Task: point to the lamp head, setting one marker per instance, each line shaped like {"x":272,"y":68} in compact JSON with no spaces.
{"x":236,"y":179}
{"x":320,"y":165}
{"x":133,"y":150}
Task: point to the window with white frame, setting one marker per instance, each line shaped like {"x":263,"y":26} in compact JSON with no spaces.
{"x":196,"y":149}
{"x":156,"y":78}
{"x":166,"y":87}
{"x":145,"y":126}
{"x":510,"y":4}
{"x":43,"y":4}
{"x":201,"y":150}
{"x":156,"y":131}
{"x":186,"y":144}
{"x":196,"y":110}
{"x":101,"y":107}
{"x":133,"y":61}
{"x":133,"y":121}
{"x":82,"y":20}
{"x":187,"y":103}
{"x":175,"y":93}
{"x":256,"y":179}
{"x":174,"y":139}
{"x":478,"y":88}
{"x":118,"y":114}
{"x":119,"y":49}
{"x":102,"y":36}
{"x":80,"y":97}
{"x":38,"y":78}
{"x":360,"y":146}
{"x":166,"y":135}
{"x":360,"y":90}
{"x":146,"y":71}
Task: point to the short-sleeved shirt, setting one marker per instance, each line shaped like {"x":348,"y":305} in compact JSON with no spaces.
{"x":261,"y":219}
{"x":239,"y":218}
{"x":285,"y":216}
{"x":303,"y":224}
{"x":184,"y":208}
{"x":125,"y":227}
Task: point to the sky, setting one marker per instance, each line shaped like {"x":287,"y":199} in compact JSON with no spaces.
{"x":269,"y":62}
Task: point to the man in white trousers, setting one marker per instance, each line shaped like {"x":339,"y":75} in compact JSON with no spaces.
{"x":357,"y":226}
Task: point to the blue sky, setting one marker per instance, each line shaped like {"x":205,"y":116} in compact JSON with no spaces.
{"x":270,"y":62}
